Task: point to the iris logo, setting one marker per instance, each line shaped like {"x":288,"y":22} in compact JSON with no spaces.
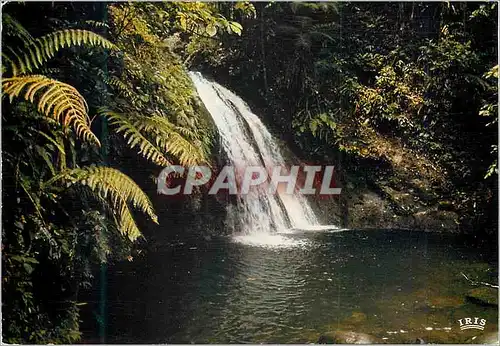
{"x":472,"y":323}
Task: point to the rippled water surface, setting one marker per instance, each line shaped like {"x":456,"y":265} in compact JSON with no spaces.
{"x":394,"y":285}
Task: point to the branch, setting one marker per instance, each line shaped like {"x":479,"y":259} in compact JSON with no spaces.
{"x":475,"y":283}
{"x":125,"y":22}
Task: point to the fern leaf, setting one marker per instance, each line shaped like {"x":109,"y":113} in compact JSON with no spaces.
{"x":13,"y":28}
{"x":96,"y":24}
{"x":37,"y":52}
{"x":126,"y":223}
{"x":56,"y":100}
{"x":118,"y":188}
{"x":44,"y":154}
{"x":135,"y":138}
{"x":20,"y":64}
{"x":122,"y":88}
{"x":181,"y":143}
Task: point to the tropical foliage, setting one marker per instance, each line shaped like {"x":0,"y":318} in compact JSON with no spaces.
{"x":399,"y":96}
{"x":81,"y":92}
{"x":403,"y":96}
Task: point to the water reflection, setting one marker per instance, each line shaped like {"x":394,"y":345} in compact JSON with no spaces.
{"x":224,"y":291}
{"x":264,"y":290}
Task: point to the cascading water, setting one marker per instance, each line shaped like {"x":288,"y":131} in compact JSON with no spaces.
{"x":247,"y":142}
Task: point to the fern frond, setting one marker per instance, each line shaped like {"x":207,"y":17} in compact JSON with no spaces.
{"x":331,"y":26}
{"x":35,"y":54}
{"x":122,"y":88}
{"x":13,"y":28}
{"x":121,"y":214}
{"x":115,"y":186}
{"x":126,"y":223}
{"x":96,"y":24}
{"x":118,"y":84}
{"x":55,"y":99}
{"x":135,"y":138}
{"x":180,"y":142}
{"x":186,"y":152}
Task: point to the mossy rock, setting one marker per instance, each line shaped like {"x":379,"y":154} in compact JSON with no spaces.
{"x":436,"y":220}
{"x":307,"y":337}
{"x":485,"y":296}
{"x":346,"y":337}
{"x":356,"y":318}
{"x":441,"y":302}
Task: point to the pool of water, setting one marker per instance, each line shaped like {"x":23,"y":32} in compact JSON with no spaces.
{"x":394,"y":285}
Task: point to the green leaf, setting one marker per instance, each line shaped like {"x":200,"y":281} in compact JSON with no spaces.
{"x":183,"y":22}
{"x":313,"y":125}
{"x":211,"y":30}
{"x":29,"y":269}
{"x":491,"y":170}
{"x":236,"y":27}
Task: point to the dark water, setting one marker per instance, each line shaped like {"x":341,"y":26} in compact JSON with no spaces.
{"x":394,"y":285}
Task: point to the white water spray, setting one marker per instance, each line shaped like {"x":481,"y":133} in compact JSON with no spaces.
{"x":247,"y":142}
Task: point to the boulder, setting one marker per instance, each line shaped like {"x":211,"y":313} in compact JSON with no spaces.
{"x":346,"y":337}
{"x":485,"y":296}
{"x":436,"y":220}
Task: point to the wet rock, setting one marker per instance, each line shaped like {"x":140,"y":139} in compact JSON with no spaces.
{"x":307,"y":337}
{"x":485,"y":296}
{"x":441,"y":302}
{"x":488,"y":339}
{"x":370,"y":210}
{"x":356,"y":318}
{"x":400,"y":197}
{"x":346,"y":337}
{"x":436,"y":220}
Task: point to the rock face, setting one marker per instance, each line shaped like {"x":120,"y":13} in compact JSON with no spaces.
{"x":485,"y":296}
{"x":361,"y":207}
{"x":346,"y":337}
{"x":373,"y":199}
{"x":436,"y":220}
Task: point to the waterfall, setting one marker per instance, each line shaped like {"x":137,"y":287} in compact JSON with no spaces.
{"x":247,"y":142}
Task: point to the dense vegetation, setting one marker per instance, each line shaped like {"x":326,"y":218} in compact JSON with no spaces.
{"x":402,"y":96}
{"x":399,"y":93}
{"x":84,"y":86}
